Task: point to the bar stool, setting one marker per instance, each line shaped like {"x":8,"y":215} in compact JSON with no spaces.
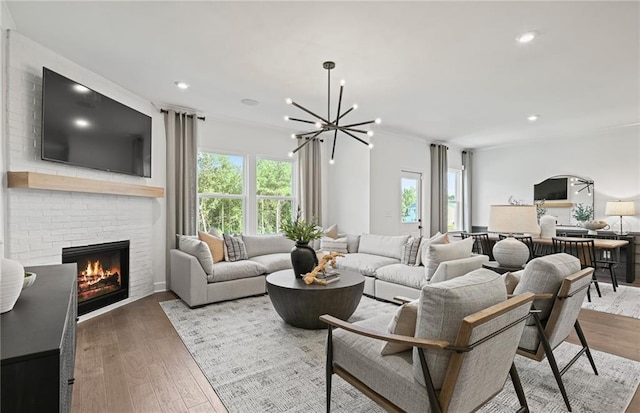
{"x":585,"y":250}
{"x":608,"y":259}
{"x":482,"y":244}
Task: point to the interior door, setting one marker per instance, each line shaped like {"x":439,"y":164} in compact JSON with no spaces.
{"x":411,"y":203}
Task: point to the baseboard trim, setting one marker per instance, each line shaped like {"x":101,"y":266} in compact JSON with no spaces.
{"x":160,"y":287}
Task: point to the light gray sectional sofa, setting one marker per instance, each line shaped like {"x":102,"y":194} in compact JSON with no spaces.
{"x":198,"y":281}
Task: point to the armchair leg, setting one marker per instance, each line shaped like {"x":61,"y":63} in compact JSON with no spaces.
{"x":595,"y":282}
{"x":589,"y":293}
{"x":614,"y":280}
{"x":552,"y":360}
{"x":517,"y":385}
{"x":329,"y":367}
{"x":583,"y":341}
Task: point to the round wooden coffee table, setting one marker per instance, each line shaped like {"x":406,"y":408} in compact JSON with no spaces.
{"x":301,"y":305}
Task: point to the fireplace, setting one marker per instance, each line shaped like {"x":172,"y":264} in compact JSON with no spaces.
{"x":103,"y":273}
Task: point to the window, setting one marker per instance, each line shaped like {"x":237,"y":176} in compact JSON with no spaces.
{"x":410,"y":197}
{"x":454,"y":210}
{"x":274,"y":193}
{"x":221,"y":192}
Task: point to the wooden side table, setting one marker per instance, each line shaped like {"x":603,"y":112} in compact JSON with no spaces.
{"x":495,"y":266}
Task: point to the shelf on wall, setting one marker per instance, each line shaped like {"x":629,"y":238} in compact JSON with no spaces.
{"x":548,"y":204}
{"x":37,"y":180}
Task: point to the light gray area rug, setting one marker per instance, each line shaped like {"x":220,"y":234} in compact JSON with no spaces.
{"x":626,"y":301}
{"x":257,"y":363}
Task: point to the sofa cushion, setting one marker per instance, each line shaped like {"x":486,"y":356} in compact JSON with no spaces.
{"x":383,"y":245}
{"x":410,"y":251}
{"x":544,"y":275}
{"x":274,"y":262}
{"x":226,"y":271}
{"x":442,"y":307}
{"x":438,"y":238}
{"x":257,"y":245}
{"x":199,"y":249}
{"x":402,"y":274}
{"x":215,"y":244}
{"x":235,"y":248}
{"x":365,"y":264}
{"x":403,"y":323}
{"x":437,"y":253}
{"x":353,"y":241}
{"x":337,"y":245}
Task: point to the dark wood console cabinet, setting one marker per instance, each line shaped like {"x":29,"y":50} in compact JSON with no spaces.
{"x":38,"y":339}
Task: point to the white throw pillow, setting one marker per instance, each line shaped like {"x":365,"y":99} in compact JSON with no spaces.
{"x":199,"y":249}
{"x":337,"y":245}
{"x":404,"y":324}
{"x":446,"y":252}
{"x":438,"y":238}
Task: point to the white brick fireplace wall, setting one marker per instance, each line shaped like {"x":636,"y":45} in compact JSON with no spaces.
{"x":39,"y":223}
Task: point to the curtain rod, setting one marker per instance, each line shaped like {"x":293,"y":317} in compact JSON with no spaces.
{"x":189,"y":116}
{"x":439,"y":144}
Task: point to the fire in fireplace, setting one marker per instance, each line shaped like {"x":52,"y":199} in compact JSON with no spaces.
{"x":103,"y":273}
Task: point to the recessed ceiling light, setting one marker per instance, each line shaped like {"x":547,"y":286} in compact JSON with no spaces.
{"x":249,"y":102}
{"x":81,"y":123}
{"x":526,"y":37}
{"x":533,"y":118}
{"x":80,"y":89}
{"x":181,"y":85}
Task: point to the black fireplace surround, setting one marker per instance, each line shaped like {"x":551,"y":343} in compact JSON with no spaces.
{"x":102,"y":271}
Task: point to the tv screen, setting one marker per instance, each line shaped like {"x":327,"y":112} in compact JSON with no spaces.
{"x":85,"y":128}
{"x":551,"y":189}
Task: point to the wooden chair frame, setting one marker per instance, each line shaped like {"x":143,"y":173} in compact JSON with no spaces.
{"x":544,"y":332}
{"x":439,"y":403}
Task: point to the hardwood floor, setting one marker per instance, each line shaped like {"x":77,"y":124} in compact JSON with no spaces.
{"x":132,"y":360}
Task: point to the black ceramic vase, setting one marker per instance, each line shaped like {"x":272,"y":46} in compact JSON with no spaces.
{"x":303,"y":259}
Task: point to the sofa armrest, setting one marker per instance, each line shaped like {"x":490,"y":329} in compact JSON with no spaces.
{"x":188,"y":279}
{"x":455,"y":268}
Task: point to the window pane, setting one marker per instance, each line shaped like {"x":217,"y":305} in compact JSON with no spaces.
{"x":409,"y":209}
{"x":273,"y":177}
{"x":272,"y":213}
{"x":224,"y":214}
{"x":219,"y":174}
{"x":454,"y":213}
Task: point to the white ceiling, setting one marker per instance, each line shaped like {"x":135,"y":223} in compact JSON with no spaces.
{"x":443,"y":71}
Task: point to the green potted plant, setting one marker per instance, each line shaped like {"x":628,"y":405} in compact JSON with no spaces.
{"x":582,"y":213}
{"x":303,"y":257}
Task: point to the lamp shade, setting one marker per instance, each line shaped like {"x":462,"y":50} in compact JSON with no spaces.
{"x":513,"y":219}
{"x":620,"y":208}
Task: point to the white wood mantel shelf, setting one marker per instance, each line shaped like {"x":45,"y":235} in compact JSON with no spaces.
{"x":37,"y":180}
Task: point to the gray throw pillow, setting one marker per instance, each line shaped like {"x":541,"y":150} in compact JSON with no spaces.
{"x":235,"y":247}
{"x":410,"y":251}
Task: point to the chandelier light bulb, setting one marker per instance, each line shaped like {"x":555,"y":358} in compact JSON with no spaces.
{"x":286,"y":119}
{"x":355,"y":106}
{"x":331,"y":161}
{"x":342,"y":82}
{"x":289,"y":101}
{"x":318,"y":125}
{"x":290,"y":154}
{"x":370,"y":133}
{"x":378,"y":121}
{"x":293,"y":136}
{"x":370,"y":145}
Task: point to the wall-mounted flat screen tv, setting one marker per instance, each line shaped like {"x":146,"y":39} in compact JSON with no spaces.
{"x":551,"y":189}
{"x":85,"y":128}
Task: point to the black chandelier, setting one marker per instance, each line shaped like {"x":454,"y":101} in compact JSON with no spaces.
{"x":325,"y":124}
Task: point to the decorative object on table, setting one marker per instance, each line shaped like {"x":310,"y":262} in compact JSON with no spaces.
{"x":29,"y":279}
{"x":303,"y":257}
{"x":11,"y":281}
{"x":319,"y":273}
{"x":512,"y":219}
{"x":620,"y":209}
{"x":330,"y":124}
{"x":547,"y":226}
{"x":513,"y":201}
{"x":593,"y":226}
{"x":582,"y":213}
{"x":541,"y":210}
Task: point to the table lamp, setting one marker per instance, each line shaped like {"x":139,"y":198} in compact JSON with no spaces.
{"x":621,"y":209}
{"x":512,"y":219}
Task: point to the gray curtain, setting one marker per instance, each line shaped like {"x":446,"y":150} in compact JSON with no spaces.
{"x":439,"y":190}
{"x":310,"y":187}
{"x":467,"y":174}
{"x":182,"y":152}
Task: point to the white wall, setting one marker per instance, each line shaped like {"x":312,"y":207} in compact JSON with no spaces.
{"x":245,"y":139}
{"x":389,"y":157}
{"x":611,"y":158}
{"x":39,"y":223}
